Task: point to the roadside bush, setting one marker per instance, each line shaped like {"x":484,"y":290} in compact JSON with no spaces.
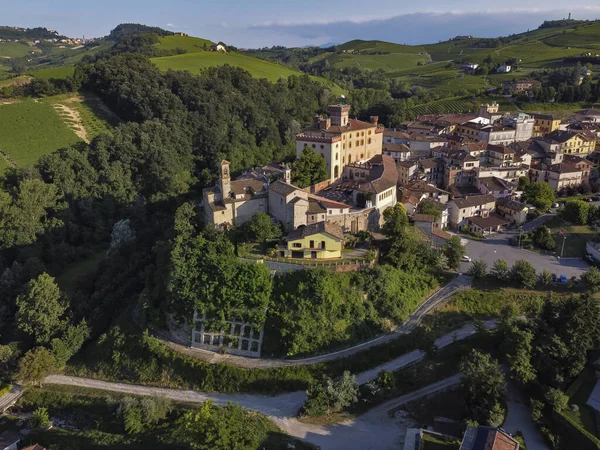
{"x":478,"y":269}
{"x":545,"y":277}
{"x":386,"y":380}
{"x":329,"y":396}
{"x":500,"y":270}
{"x":557,"y":399}
{"x":523,"y":273}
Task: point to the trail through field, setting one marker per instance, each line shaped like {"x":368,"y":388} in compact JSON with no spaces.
{"x":72,"y":118}
{"x":8,"y":159}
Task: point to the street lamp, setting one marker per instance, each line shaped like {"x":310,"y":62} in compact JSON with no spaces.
{"x":563,"y":245}
{"x":520,"y":233}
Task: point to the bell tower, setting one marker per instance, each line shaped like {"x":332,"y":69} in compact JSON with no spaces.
{"x":287,"y":174}
{"x":225,"y":179}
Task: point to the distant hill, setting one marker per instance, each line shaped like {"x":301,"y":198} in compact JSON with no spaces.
{"x":129,"y":29}
{"x":28,"y":33}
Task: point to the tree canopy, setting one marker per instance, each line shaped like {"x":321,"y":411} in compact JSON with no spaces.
{"x":309,"y":168}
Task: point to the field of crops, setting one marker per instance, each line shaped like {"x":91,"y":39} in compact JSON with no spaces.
{"x":258,"y":68}
{"x":29,"y":129}
{"x":389,"y":62}
{"x":53,"y":72}
{"x":442,"y":107}
{"x":188,"y":43}
{"x":380,"y":46}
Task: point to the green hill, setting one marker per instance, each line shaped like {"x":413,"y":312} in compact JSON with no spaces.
{"x":194,"y":62}
{"x":188,"y":43}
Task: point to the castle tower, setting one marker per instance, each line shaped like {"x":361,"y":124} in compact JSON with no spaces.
{"x":225,"y":179}
{"x":287,"y":174}
{"x":339,"y":114}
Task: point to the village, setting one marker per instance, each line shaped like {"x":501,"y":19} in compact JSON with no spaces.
{"x":465,"y":166}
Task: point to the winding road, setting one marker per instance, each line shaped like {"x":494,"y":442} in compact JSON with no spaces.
{"x":434,"y":301}
{"x":353,"y":434}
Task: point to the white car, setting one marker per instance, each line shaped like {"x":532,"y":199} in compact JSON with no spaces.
{"x":466,"y":258}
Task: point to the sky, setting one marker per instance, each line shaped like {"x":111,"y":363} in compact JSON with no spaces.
{"x":259,"y":23}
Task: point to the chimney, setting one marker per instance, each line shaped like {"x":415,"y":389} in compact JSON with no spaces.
{"x":374,"y":120}
{"x":324,"y":124}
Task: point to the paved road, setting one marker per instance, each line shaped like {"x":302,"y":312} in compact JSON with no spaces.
{"x":519,"y":419}
{"x":434,"y":301}
{"x":496,"y":247}
{"x":11,"y":397}
{"x":282,"y":409}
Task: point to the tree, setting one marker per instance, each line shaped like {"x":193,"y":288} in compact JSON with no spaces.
{"x":122,"y":234}
{"x":328,"y":396}
{"x":40,"y":418}
{"x":35,"y":365}
{"x":523,"y":183}
{"x":500,"y":270}
{"x":454,"y":251}
{"x":545,"y":277}
{"x":591,"y":279}
{"x":542,"y":238}
{"x":478,"y":269}
{"x":395,"y":221}
{"x":483,"y":385}
{"x":524,"y":273}
{"x":70,"y":343}
{"x":576,"y":211}
{"x":262,"y":229}
{"x":309,"y":168}
{"x":41,"y":309}
{"x":557,"y":399}
{"x":430,"y":207}
{"x":386,"y":380}
{"x":540,"y":194}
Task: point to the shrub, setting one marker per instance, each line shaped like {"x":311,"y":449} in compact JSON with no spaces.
{"x":386,"y":380}
{"x":329,"y":396}
{"x":557,"y":399}
{"x":500,"y":270}
{"x":40,"y":418}
{"x":524,"y":273}
{"x":545,"y":277}
{"x":478,"y":269}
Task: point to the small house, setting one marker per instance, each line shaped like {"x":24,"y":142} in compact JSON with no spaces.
{"x":218,"y":48}
{"x":322,"y":240}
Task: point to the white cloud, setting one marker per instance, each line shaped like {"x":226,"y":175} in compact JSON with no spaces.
{"x":171,"y":25}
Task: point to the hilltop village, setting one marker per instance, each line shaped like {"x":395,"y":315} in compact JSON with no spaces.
{"x":468,"y":166}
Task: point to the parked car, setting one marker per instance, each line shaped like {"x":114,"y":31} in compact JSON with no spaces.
{"x":466,"y":258}
{"x":563,"y":278}
{"x":555,"y":205}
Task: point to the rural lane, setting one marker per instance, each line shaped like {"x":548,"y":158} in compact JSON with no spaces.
{"x":282,"y":409}
{"x":434,"y":301}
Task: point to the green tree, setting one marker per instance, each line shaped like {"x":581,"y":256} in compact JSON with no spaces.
{"x":40,"y":418}
{"x":70,"y":343}
{"x":395,"y":221}
{"x":41,"y":309}
{"x":576,"y":211}
{"x":309,"y":168}
{"x":430,"y":207}
{"x":591,"y":279}
{"x":523,"y":273}
{"x":328,"y":396}
{"x":454,"y":251}
{"x":523,"y":183}
{"x":540,"y":194}
{"x":542,"y":238}
{"x":262,"y":229}
{"x":483,"y":385}
{"x":545,"y":277}
{"x":35,"y":365}
{"x":386,"y":380}
{"x":557,"y":399}
{"x":500,"y":270}
{"x":478,"y":269}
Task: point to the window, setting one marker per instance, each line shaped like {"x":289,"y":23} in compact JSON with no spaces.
{"x":322,"y":146}
{"x":323,"y":245}
{"x":357,"y":143}
{"x":362,"y":156}
{"x":314,"y":146}
{"x":362,"y":133}
{"x":389,"y":140}
{"x":343,"y":146}
{"x":305,"y":144}
{"x":369,"y":141}
{"x":331,"y":211}
{"x":350,"y":136}
{"x":336,"y":157}
{"x":349,"y":144}
{"x":297,"y":245}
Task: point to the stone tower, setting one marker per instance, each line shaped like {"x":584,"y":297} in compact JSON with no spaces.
{"x":339,"y":114}
{"x":287,"y":174}
{"x":225,"y":179}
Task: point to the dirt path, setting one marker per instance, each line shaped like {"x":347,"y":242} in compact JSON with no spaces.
{"x":72,"y":118}
{"x":434,"y":301}
{"x":519,"y":418}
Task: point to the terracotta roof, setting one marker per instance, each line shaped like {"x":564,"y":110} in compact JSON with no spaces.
{"x":423,"y":218}
{"x":560,"y":136}
{"x":353,"y":125}
{"x":493,"y":220}
{"x":556,"y":168}
{"x":408,"y":164}
{"x":475,"y":146}
{"x":396,"y":134}
{"x":422,"y":138}
{"x":247,"y":186}
{"x":428,"y":163}
{"x":500,"y":149}
{"x":508,"y":203}
{"x":330,"y":228}
{"x":422,"y":186}
{"x":441,"y":233}
{"x":327,"y":202}
{"x":487,"y":438}
{"x":574,"y":159}
{"x":462,"y":191}
{"x":494,"y":183}
{"x":34,"y":447}
{"x":474,"y":200}
{"x":382,"y":176}
{"x":282,"y":188}
{"x":315,"y":207}
{"x":398,"y":148}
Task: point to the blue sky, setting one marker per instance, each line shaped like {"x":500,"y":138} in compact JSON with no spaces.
{"x":258,"y":23}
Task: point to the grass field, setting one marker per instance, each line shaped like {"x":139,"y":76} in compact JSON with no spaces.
{"x":258,"y":68}
{"x":29,"y":129}
{"x":53,"y":72}
{"x":389,"y":62}
{"x":380,"y":46}
{"x":576,"y":236}
{"x":16,"y":50}
{"x":188,"y":43}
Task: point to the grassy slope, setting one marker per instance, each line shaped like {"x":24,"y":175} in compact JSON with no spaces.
{"x":31,"y":129}
{"x":188,"y":43}
{"x":53,"y":72}
{"x":15,"y":49}
{"x":194,"y":62}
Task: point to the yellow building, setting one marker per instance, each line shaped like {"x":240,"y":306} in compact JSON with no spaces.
{"x":322,"y":240}
{"x":569,"y":142}
{"x":544,"y":124}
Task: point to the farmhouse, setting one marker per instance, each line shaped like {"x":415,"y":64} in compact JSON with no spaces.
{"x":461,"y":209}
{"x":322,"y":240}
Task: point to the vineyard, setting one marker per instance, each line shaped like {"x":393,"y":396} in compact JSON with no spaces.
{"x":443,"y":107}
